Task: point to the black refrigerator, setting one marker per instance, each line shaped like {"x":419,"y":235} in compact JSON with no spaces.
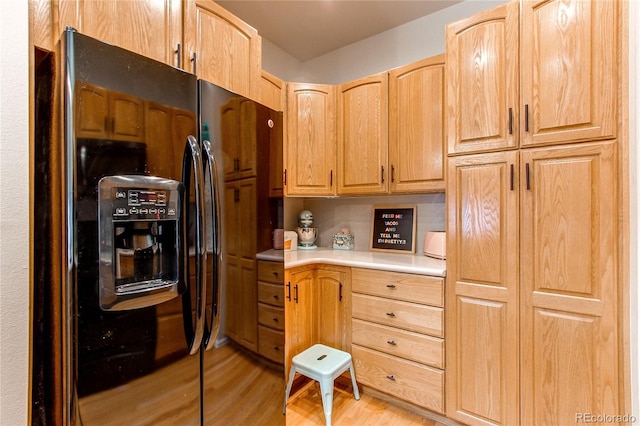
{"x":129,"y":261}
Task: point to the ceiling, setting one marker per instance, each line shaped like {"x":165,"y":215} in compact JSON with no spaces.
{"x":306,"y":29}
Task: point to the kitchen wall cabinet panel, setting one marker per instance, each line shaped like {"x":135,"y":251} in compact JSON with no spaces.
{"x":221,"y":48}
{"x":310,"y":153}
{"x":363,"y":136}
{"x":569,"y":283}
{"x":416,"y":126}
{"x":273,"y":91}
{"x":568,"y":74}
{"x":149,"y":27}
{"x":482,"y":81}
{"x":482,"y":296}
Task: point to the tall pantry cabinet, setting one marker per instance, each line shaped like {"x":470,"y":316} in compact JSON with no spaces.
{"x":532,"y":194}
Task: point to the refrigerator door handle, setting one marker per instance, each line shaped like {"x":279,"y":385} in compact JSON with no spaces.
{"x":213,"y":208}
{"x":192,"y":164}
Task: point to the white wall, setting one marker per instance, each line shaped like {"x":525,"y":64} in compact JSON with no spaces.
{"x":418,"y":39}
{"x":14,"y":212}
{"x":355,"y":213}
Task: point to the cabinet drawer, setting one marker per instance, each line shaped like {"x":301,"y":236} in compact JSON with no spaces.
{"x":271,"y":316}
{"x":272,"y":294}
{"x":393,"y":341}
{"x":405,"y":315}
{"x":271,"y":344}
{"x":400,"y":286}
{"x":272,"y":272}
{"x":407,"y":380}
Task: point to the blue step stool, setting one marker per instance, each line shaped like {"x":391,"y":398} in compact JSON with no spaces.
{"x":323,"y":364}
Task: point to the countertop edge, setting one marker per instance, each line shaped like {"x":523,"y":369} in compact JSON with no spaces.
{"x":407,"y":263}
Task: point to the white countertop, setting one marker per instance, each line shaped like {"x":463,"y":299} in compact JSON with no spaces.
{"x":396,"y":262}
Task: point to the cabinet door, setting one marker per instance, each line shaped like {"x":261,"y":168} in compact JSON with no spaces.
{"x":363,"y":136}
{"x":149,"y":27}
{"x":273,"y":91}
{"x":310,"y":153}
{"x":482,"y":81}
{"x":482,"y":342}
{"x":416,"y":126}
{"x":569,"y":306}
{"x":333,"y":298}
{"x":298,"y":314}
{"x":227,"y":50}
{"x":568,"y":74}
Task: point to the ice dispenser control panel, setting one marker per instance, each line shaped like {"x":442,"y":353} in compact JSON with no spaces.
{"x":132,"y":204}
{"x":140,"y":241}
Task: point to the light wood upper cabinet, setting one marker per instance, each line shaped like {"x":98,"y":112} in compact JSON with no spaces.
{"x":273,"y":91}
{"x":363,"y":136}
{"x":482,"y":309}
{"x":416,"y":126}
{"x":227,"y":50}
{"x":310,"y":153}
{"x":482,"y":81}
{"x":566,"y":76}
{"x":570,"y":302}
{"x":568,"y":71}
{"x":149,"y":27}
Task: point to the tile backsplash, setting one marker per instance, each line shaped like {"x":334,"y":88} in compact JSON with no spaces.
{"x":333,"y":214}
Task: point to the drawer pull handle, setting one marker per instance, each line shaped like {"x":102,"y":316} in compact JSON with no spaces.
{"x":391,"y":314}
{"x":391,"y":377}
{"x":275,"y":319}
{"x":276,"y":348}
{"x":275,"y":296}
{"x":275,"y":273}
{"x":391,"y":342}
{"x":391,"y":286}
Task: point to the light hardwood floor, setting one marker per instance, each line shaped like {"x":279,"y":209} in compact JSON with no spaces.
{"x":305,"y":409}
{"x":246,"y":393}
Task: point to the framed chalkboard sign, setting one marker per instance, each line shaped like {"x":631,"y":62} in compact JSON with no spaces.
{"x":393,"y":228}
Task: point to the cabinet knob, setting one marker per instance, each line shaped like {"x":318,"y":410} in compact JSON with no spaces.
{"x":391,"y":377}
{"x":391,"y":342}
{"x":391,"y":314}
{"x":275,"y":319}
{"x":391,"y":286}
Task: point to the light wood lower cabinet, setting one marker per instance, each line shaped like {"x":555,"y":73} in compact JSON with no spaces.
{"x":299,"y":312}
{"x":397,"y":335}
{"x":271,"y":310}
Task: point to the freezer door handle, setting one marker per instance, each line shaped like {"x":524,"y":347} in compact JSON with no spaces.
{"x":192,"y":168}
{"x":212,"y":210}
